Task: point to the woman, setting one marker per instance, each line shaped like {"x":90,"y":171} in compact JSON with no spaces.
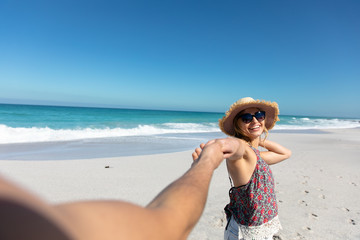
{"x":252,"y":212}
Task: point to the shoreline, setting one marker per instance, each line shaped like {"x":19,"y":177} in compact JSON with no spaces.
{"x":121,"y":146}
{"x":316,"y":188}
{"x":105,"y":147}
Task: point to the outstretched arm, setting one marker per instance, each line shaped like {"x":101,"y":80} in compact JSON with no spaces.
{"x":275,"y":154}
{"x":171,"y":215}
{"x":183,"y":201}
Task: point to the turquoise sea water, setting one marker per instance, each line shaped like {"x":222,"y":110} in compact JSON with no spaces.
{"x":83,"y":127}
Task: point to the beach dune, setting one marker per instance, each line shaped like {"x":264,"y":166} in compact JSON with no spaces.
{"x":317,"y":188}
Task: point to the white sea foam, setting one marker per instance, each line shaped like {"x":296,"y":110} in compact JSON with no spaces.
{"x":34,"y":134}
{"x":318,"y":123}
{"x":46,"y":134}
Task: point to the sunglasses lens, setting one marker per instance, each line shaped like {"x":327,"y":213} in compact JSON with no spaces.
{"x":247,"y":118}
{"x":260,"y":116}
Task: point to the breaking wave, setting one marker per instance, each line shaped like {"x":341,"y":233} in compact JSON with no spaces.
{"x":46,"y":134}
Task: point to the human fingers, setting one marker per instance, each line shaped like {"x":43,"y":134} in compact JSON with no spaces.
{"x":196,"y":153}
{"x":231,"y":147}
{"x":195,"y":156}
{"x":212,"y":152}
{"x":227,"y":146}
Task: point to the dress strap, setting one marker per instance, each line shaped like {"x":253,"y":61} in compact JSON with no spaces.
{"x":257,"y":152}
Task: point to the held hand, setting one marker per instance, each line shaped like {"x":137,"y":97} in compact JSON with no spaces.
{"x":232,"y":148}
{"x":197,"y":152}
{"x":210,"y":152}
{"x":219,"y":149}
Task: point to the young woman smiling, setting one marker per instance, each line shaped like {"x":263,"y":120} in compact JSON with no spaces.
{"x":252,"y":212}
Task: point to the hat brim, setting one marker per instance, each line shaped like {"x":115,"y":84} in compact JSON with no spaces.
{"x":271,"y":109}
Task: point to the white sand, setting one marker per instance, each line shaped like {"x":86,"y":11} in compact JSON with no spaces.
{"x":317,"y":188}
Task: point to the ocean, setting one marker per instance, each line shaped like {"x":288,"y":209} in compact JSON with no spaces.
{"x":53,"y":132}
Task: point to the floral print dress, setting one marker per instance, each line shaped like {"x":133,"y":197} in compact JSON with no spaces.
{"x":253,"y":206}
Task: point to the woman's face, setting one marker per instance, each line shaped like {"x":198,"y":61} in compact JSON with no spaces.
{"x":253,"y":129}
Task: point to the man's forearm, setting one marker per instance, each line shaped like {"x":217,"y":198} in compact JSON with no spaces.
{"x":182,"y":202}
{"x":190,"y":192}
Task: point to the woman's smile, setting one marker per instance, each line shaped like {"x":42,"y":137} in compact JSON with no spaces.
{"x":255,"y":128}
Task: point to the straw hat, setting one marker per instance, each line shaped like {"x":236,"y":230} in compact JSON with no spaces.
{"x":271,"y":109}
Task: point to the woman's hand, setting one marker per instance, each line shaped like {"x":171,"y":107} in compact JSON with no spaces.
{"x":276,"y":153}
{"x":231,"y":148}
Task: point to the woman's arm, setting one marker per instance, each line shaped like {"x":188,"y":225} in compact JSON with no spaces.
{"x":275,"y":154}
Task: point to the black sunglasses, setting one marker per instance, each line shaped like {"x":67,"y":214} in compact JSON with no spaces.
{"x":247,"y":117}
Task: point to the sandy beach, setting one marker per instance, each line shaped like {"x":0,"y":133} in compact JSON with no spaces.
{"x":317,"y":188}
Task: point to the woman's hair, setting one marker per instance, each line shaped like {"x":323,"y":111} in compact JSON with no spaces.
{"x":240,"y":134}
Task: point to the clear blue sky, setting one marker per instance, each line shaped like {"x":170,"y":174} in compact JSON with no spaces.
{"x":182,"y":55}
